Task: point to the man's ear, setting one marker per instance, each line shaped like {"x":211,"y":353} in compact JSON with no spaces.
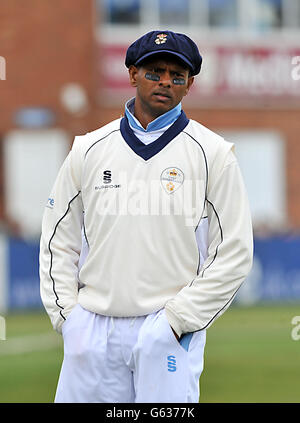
{"x":189,"y":84}
{"x":133,"y":71}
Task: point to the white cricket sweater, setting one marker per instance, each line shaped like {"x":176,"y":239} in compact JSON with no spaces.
{"x":166,"y":225}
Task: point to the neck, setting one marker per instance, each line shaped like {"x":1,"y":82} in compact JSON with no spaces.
{"x":151,"y":123}
{"x":143,"y":114}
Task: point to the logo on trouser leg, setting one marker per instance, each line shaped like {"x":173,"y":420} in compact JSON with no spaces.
{"x":171,"y":363}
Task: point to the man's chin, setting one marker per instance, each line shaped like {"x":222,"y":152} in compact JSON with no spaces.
{"x":160,"y":108}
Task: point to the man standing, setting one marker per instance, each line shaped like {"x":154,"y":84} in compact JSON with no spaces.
{"x":146,"y":239}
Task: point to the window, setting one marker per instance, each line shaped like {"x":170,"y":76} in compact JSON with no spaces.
{"x":174,"y":12}
{"x":270,"y":13}
{"x":253,"y":16}
{"x":263,"y":15}
{"x":223,"y":13}
{"x":121,"y":11}
{"x":291,"y":13}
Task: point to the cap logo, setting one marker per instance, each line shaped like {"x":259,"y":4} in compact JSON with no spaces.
{"x":161,"y":38}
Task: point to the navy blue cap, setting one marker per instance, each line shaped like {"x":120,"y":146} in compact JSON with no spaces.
{"x":156,"y":42}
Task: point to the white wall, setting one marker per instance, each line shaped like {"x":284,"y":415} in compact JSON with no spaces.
{"x":32,"y":160}
{"x":261,"y":155}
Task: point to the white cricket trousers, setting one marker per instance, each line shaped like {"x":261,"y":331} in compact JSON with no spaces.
{"x":128,"y":360}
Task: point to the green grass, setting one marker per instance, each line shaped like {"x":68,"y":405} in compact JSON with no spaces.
{"x":250,"y":356}
{"x":29,"y":377}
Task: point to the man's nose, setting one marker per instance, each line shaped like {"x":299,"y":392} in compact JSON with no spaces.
{"x":165,"y":80}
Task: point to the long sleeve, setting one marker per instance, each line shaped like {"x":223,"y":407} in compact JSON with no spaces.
{"x":229,"y":254}
{"x":60,"y":243}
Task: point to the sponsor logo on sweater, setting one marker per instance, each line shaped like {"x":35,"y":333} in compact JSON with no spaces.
{"x":50,"y":203}
{"x":171,"y":363}
{"x":107,"y":177}
{"x":107,"y":181}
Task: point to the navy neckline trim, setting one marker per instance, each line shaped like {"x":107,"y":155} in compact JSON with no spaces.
{"x":150,"y":150}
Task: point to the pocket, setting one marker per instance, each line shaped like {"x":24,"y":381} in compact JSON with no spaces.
{"x":172,"y":338}
{"x":187,"y":341}
{"x":69,"y":318}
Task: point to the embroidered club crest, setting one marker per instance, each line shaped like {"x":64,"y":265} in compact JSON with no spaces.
{"x":171,"y":179}
{"x":161,"y":38}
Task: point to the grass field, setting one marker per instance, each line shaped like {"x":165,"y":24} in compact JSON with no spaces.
{"x":250,"y":357}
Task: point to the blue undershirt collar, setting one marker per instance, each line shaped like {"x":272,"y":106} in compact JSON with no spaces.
{"x":162,"y":121}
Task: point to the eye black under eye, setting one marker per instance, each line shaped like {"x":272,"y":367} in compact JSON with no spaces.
{"x":154,"y":77}
{"x":179,"y":81}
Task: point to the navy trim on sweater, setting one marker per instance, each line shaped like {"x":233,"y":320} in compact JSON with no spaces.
{"x":148,"y":151}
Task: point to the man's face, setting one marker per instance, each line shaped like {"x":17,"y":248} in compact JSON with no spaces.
{"x":156,"y":97}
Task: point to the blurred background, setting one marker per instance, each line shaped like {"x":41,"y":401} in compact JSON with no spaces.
{"x":62,"y":74}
